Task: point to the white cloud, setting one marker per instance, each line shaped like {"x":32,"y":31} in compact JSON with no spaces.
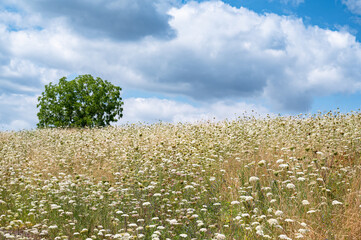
{"x":293,"y":2}
{"x":17,"y":112}
{"x":353,"y":5}
{"x":223,"y":52}
{"x":151,"y":110}
{"x":121,"y":20}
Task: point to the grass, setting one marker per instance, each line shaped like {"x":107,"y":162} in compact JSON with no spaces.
{"x":268,"y":178}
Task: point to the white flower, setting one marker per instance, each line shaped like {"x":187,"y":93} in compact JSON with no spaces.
{"x":305,"y":202}
{"x":234,"y":202}
{"x":290,"y":186}
{"x":298,"y":235}
{"x":212,"y":179}
{"x":335,"y":202}
{"x":220,"y":236}
{"x":280,"y":161}
{"x":301,"y":179}
{"x":54,"y":206}
{"x":247,"y":198}
{"x":146,"y":203}
{"x":272,"y":221}
{"x":183,"y":235}
{"x":282,"y":236}
{"x":253,"y":179}
{"x":262,"y":162}
{"x":278,"y":213}
{"x":173,"y":221}
{"x":284,"y":165}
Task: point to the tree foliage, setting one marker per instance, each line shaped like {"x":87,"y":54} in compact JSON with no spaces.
{"x":82,"y":102}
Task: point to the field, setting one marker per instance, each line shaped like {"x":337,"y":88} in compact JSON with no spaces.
{"x":252,"y":178}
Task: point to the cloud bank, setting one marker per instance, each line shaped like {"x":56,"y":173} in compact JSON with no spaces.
{"x":152,"y":110}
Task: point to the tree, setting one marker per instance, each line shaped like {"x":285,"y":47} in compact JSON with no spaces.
{"x":82,"y":102}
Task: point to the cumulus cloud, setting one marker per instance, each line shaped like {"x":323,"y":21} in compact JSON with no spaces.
{"x":224,"y":52}
{"x":151,"y":110}
{"x":18,"y":112}
{"x":353,"y":5}
{"x":117,"y":19}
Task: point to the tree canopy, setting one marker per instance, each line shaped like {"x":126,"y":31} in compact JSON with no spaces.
{"x":82,"y":102}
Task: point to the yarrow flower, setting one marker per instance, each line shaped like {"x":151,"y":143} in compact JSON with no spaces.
{"x":335,"y":202}
{"x":305,"y":202}
{"x":282,"y":236}
{"x":253,"y":179}
{"x":278,"y":213}
{"x":173,"y":221}
{"x":247,"y":198}
{"x":220,"y":236}
{"x":272,"y":221}
{"x":53,"y":227}
{"x":284,"y":165}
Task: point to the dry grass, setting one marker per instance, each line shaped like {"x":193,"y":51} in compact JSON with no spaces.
{"x":280,"y":178}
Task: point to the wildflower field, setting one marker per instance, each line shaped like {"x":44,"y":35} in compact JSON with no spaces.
{"x":251,"y":178}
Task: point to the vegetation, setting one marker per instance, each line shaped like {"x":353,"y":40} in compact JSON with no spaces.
{"x":272,"y":178}
{"x":82,"y":102}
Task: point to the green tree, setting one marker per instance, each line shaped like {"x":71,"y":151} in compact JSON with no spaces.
{"x":82,"y":102}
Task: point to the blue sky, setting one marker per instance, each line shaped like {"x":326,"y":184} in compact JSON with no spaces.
{"x":184,"y":60}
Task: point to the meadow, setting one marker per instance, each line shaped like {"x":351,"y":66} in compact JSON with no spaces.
{"x":250,"y":178}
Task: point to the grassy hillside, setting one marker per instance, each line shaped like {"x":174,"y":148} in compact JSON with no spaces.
{"x":279,"y":178}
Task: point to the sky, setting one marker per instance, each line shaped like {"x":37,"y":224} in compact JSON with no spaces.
{"x":184,"y":61}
